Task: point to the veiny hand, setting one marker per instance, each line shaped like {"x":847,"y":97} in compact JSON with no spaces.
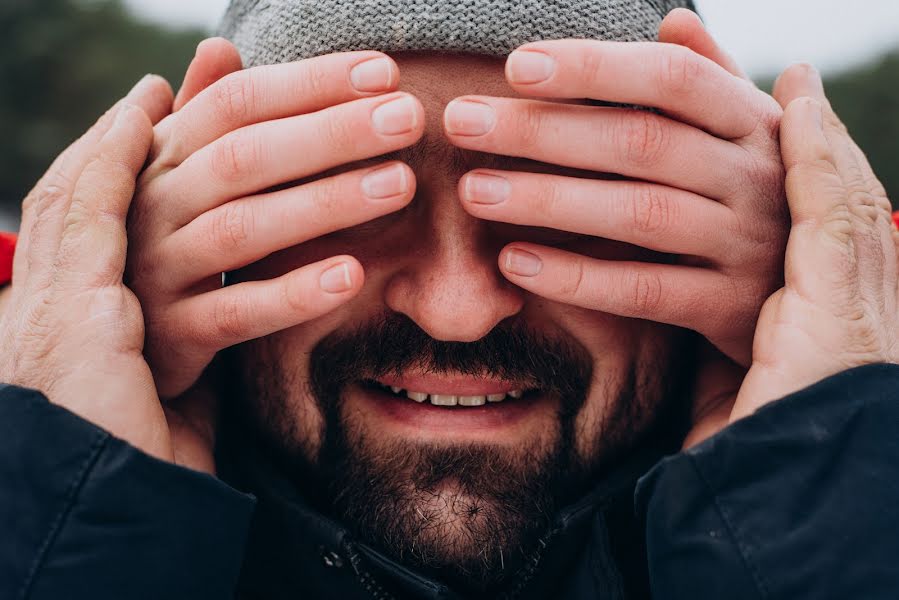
{"x":839,"y":307}
{"x":202,"y":207}
{"x":706,"y":180}
{"x":70,"y":327}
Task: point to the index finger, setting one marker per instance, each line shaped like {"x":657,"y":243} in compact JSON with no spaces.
{"x":677,"y":80}
{"x":269,"y":93}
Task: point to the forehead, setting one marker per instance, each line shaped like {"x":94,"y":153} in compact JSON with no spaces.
{"x":439,"y":78}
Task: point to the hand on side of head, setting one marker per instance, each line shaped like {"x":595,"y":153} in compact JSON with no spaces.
{"x":705,"y":180}
{"x":71,"y":328}
{"x":203,"y":206}
{"x":839,"y":307}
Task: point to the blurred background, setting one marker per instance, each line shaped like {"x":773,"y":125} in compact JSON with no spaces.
{"x":63,"y":62}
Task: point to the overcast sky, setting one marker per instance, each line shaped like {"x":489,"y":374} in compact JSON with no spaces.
{"x":764,"y":35}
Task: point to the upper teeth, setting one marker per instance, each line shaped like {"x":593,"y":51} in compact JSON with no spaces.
{"x":451,"y":400}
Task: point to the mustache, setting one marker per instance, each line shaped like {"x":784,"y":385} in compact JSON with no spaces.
{"x":393,"y":344}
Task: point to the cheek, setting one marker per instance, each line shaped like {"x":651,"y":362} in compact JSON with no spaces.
{"x":631,"y":359}
{"x":279,"y":395}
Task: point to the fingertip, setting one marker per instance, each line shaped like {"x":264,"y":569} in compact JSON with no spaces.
{"x":802,"y":137}
{"x":520,"y":261}
{"x":342,"y":275}
{"x":798,"y":80}
{"x":220,"y":51}
{"x":133,"y":118}
{"x":373,"y":73}
{"x":154,"y":95}
{"x":679,"y":25}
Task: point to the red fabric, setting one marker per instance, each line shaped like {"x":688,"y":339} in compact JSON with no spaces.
{"x":7,"y":251}
{"x":896,"y":218}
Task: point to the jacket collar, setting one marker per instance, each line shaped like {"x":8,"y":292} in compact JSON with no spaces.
{"x":295,"y":551}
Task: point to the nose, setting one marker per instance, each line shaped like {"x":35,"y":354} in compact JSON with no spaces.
{"x":452,"y":288}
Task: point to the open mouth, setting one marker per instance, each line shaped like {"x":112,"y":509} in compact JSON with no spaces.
{"x":450,"y":400}
{"x":452,"y":407}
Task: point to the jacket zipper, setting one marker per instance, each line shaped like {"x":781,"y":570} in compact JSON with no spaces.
{"x":368,"y":581}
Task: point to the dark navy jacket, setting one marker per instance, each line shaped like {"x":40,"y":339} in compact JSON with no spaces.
{"x":800,"y":500}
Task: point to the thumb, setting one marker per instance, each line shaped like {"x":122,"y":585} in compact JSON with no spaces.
{"x":215,"y":58}
{"x":684,"y":28}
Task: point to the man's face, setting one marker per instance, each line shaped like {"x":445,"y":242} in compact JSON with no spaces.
{"x":462,"y":490}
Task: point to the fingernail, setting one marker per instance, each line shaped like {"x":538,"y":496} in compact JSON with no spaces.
{"x":396,"y":117}
{"x":386,"y":182}
{"x":464,"y":117}
{"x":480,"y":188}
{"x":526,"y":67}
{"x":374,"y":75}
{"x":337,"y":279}
{"x":524,"y":264}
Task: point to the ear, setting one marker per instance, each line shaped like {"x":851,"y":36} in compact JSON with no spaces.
{"x":684,"y":28}
{"x":215,"y":58}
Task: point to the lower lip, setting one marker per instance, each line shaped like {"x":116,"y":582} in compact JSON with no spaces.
{"x":452,"y":419}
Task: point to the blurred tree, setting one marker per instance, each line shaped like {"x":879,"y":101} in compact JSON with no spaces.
{"x":867,"y":100}
{"x":62,"y":64}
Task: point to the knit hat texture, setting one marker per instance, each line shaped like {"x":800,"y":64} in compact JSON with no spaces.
{"x":277,"y":31}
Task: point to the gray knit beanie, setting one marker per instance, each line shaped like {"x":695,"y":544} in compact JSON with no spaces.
{"x":277,"y":31}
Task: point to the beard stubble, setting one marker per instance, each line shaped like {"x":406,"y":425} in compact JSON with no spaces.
{"x":470,"y":514}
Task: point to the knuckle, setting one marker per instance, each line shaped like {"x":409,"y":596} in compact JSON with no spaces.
{"x":233,"y":97}
{"x":338,"y":133}
{"x":575,"y":283}
{"x":530,"y":119}
{"x":44,"y":196}
{"x":232,"y":227}
{"x":316,"y":81}
{"x":820,"y":169}
{"x":548,"y":195}
{"x":678,"y":72}
{"x":642,"y":137}
{"x":591,"y":66}
{"x":868,"y":208}
{"x":329,"y":201}
{"x":652,"y":212}
{"x":236,"y":156}
{"x":647,"y":292}
{"x":295,"y":295}
{"x":228,"y":319}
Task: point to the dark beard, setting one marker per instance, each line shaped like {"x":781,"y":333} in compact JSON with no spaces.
{"x":470,"y":515}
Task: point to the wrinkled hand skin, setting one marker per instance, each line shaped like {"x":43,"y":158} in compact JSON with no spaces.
{"x":706,"y":179}
{"x":839,"y":307}
{"x":202,"y":208}
{"x":70,"y":327}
